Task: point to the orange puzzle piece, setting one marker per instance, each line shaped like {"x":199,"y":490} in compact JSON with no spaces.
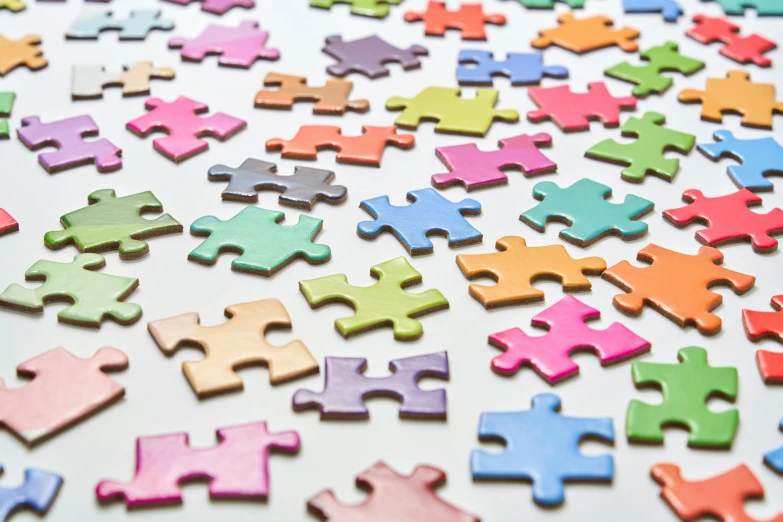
{"x":517,"y":266}
{"x":332,"y":98}
{"x":14,"y":53}
{"x":581,"y":35}
{"x":469,"y":19}
{"x":677,"y":285}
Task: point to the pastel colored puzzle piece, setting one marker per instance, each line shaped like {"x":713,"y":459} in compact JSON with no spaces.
{"x":7,"y":223}
{"x":92,"y":21}
{"x":25,"y":51}
{"x":646,"y":154}
{"x":387,"y":302}
{"x":762,"y":7}
{"x":767,"y":325}
{"x":236,"y":467}
{"x":584,"y":208}
{"x":428,"y":214}
{"x":237,"y":46}
{"x":374,"y":8}
{"x":6,"y":104}
{"x":572,"y":111}
{"x":88,"y":81}
{"x":38,"y":492}
{"x":13,"y":5}
{"x":369,"y":55}
{"x":550,"y":4}
{"x":759,"y":158}
{"x":218,"y":7}
{"x":233,"y":345}
{"x":181,"y":121}
{"x":478,"y":67}
{"x":648,"y":77}
{"x":517,"y":266}
{"x":94,"y":295}
{"x":469,"y":19}
{"x":345,"y":388}
{"x":581,"y":35}
{"x":542,"y":447}
{"x":741,"y":49}
{"x":669,"y":9}
{"x":332,"y":98}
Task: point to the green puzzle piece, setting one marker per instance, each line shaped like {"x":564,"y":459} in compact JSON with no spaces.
{"x":584,"y":208}
{"x":686,"y":389}
{"x":265,"y":246}
{"x":548,"y":4}
{"x":13,"y":5}
{"x":385,"y":302}
{"x":94,"y":295}
{"x":375,"y":8}
{"x":646,"y":153}
{"x":763,"y":7}
{"x":454,"y":114}
{"x":648,"y":77}
{"x":109,"y":221}
{"x":6,"y":104}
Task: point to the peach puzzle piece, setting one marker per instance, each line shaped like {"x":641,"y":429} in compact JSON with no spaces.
{"x":581,"y":35}
{"x":24,"y":51}
{"x":332,"y":98}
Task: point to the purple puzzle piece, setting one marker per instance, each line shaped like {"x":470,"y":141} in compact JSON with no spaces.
{"x":238,"y":46}
{"x":346,"y":388}
{"x":68,"y":136}
{"x":218,"y":6}
{"x":368,"y":56}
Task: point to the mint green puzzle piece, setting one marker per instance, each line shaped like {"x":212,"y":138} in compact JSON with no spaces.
{"x":374,"y":8}
{"x":648,"y":77}
{"x":6,"y":104}
{"x":12,"y":5}
{"x":762,"y":7}
{"x":549,"y":4}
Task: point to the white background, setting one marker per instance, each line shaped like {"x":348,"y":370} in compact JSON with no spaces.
{"x":160,"y":401}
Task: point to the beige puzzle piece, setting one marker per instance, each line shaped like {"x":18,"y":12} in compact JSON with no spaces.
{"x":88,"y":81}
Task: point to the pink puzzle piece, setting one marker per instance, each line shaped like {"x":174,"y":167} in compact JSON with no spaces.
{"x":218,"y":6}
{"x":7,"y":223}
{"x":476,"y":168}
{"x":550,"y":354}
{"x":742,"y":49}
{"x":236,"y":467}
{"x":237,"y":46}
{"x":181,"y":120}
{"x":64,"y":389}
{"x":573,"y":110}
{"x":68,"y":136}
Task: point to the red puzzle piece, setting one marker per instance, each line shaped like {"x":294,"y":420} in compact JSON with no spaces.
{"x":469,"y":19}
{"x":7,"y":223}
{"x":762,"y":325}
{"x":572,"y":111}
{"x":742,"y":49}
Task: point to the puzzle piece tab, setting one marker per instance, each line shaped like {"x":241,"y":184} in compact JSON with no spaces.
{"x":479,"y":68}
{"x":38,"y":492}
{"x":648,"y":77}
{"x":767,"y":325}
{"x":374,"y":8}
{"x":581,"y":35}
{"x":572,"y":111}
{"x":88,"y":81}
{"x":218,"y":7}
{"x":369,"y":55}
{"x":762,"y":7}
{"x":469,"y":19}
{"x":332,"y":98}
{"x":669,"y":9}
{"x":6,"y":104}
{"x":7,"y":223}
{"x":741,"y":49}
{"x":14,"y":53}
{"x":760,"y":157}
{"x":92,"y":21}
{"x":237,"y":46}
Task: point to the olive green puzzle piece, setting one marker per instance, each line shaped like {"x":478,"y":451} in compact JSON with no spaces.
{"x":386,"y":302}
{"x":374,"y":8}
{"x":763,"y":7}
{"x":264,"y":245}
{"x":109,"y":222}
{"x":648,"y":77}
{"x":645,"y":155}
{"x":13,"y":5}
{"x":548,"y":4}
{"x":686,"y":389}
{"x":94,"y":295}
{"x":6,"y":104}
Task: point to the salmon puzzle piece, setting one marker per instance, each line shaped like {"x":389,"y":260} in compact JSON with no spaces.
{"x":572,"y":111}
{"x":7,"y":223}
{"x":24,"y":51}
{"x":581,"y":35}
{"x":332,"y":98}
{"x":767,"y":325}
{"x":469,"y":19}
{"x":741,"y":49}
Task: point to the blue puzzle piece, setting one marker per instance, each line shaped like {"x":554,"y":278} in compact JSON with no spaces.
{"x":520,"y":68}
{"x":542,"y":446}
{"x":428,"y":213}
{"x":670,"y":9}
{"x":137,"y":26}
{"x":759,"y":157}
{"x":774,"y":459}
{"x":38,"y":492}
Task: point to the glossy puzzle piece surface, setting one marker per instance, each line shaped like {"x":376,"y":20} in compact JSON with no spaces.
{"x":669,"y":9}
{"x":741,"y":49}
{"x":233,"y":345}
{"x":345,"y":388}
{"x":759,"y":158}
{"x":218,"y":7}
{"x":469,"y":19}
{"x":767,"y":325}
{"x":6,"y":104}
{"x":7,"y":223}
{"x":88,"y":81}
{"x":387,"y":302}
{"x":14,"y":53}
{"x":542,"y":447}
{"x":774,"y":459}
{"x":332,"y":98}
{"x":517,"y":266}
{"x":581,"y":35}
{"x":369,"y":55}
{"x":38,"y":492}
{"x":479,"y":67}
{"x":236,"y":467}
{"x":374,"y":8}
{"x":13,"y":6}
{"x":550,"y":4}
{"x":572,"y":111}
{"x":648,"y":77}
{"x":92,"y":21}
{"x":762,"y":7}
{"x":237,"y":46}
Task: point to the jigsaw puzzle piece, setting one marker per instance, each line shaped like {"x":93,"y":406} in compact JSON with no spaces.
{"x":218,"y":7}
{"x":767,"y":325}
{"x":759,"y":158}
{"x":742,"y":49}
{"x":762,"y":7}
{"x":15,"y":53}
{"x":669,"y":9}
{"x":572,"y":111}
{"x":38,"y":492}
{"x":369,"y":55}
{"x":648,"y":77}
{"x":479,"y":68}
{"x":374,"y":8}
{"x":469,"y":19}
{"x":237,"y":46}
{"x":88,"y":81}
{"x":550,"y":4}
{"x":332,"y":98}
{"x":6,"y":104}
{"x":581,"y":35}
{"x":13,"y":5}
{"x":137,"y":26}
{"x":7,"y":223}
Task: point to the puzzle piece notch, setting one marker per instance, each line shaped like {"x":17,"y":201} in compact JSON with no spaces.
{"x":648,"y":77}
{"x":218,"y":7}
{"x":373,"y":8}
{"x":369,"y":55}
{"x":741,"y":49}
{"x":6,"y":104}
{"x":13,"y":5}
{"x":573,"y":111}
{"x":469,"y":19}
{"x":88,"y":81}
{"x":237,"y":46}
{"x":767,"y":325}
{"x":332,"y":98}
{"x":520,"y":68}
{"x":581,"y":35}
{"x":38,"y":492}
{"x":762,"y":7}
{"x":7,"y":223}
{"x":669,"y":9}
{"x":759,"y":158}
{"x":92,"y":21}
{"x":15,"y":53}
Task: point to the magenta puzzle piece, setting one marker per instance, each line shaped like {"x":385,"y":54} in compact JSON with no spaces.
{"x":236,"y":467}
{"x":217,"y":6}
{"x":237,"y":46}
{"x":550,"y":354}
{"x":68,"y":136}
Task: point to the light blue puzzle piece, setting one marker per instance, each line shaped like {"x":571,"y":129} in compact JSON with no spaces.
{"x":38,"y":492}
{"x":759,"y":157}
{"x":670,"y":9}
{"x":479,"y":67}
{"x":774,"y":459}
{"x":762,"y":7}
{"x":136,"y":27}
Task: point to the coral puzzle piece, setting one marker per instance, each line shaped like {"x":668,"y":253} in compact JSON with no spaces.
{"x":364,"y":149}
{"x":517,"y":266}
{"x":384,"y":303}
{"x":479,"y":68}
{"x":646,"y":154}
{"x":218,"y":7}
{"x":428,"y":214}
{"x":88,"y":81}
{"x":7,"y":223}
{"x":368,"y":56}
{"x":572,"y":111}
{"x":345,"y":388}
{"x":729,"y":219}
{"x":94,"y":295}
{"x":24,"y":51}
{"x":542,"y":446}
{"x":92,"y":21}
{"x":38,"y":492}
{"x":767,"y":325}
{"x":374,"y":8}
{"x":581,"y":35}
{"x":454,"y":114}
{"x":760,"y":157}
{"x":235,"y":344}
{"x":264,"y":246}
{"x":669,"y":9}
{"x":741,"y":49}
{"x":302,"y":189}
{"x":475,"y":168}
{"x":13,"y":6}
{"x":648,"y":77}
{"x":584,"y":208}
{"x":6,"y":104}
{"x":237,"y":46}
{"x":762,"y":7}
{"x":236,"y":467}
{"x":72,"y":149}
{"x":469,"y":19}
{"x":393,"y":497}
{"x":332,"y":98}
{"x":181,"y":120}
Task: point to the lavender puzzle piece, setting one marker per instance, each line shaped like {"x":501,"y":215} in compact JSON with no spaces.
{"x":38,"y":492}
{"x":368,"y":56}
{"x":92,"y":21}
{"x":479,"y":67}
{"x":345,"y":388}
{"x":237,"y":46}
{"x":218,"y":7}
{"x":68,"y":136}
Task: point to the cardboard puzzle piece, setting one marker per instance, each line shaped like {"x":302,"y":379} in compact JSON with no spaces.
{"x":648,"y":77}
{"x":109,"y":222}
{"x":774,"y":459}
{"x":13,"y":5}
{"x":550,"y":4}
{"x":572,"y":111}
{"x":767,"y":325}
{"x":669,"y":9}
{"x":454,"y":114}
{"x":517,"y":266}
{"x":759,"y":158}
{"x":762,"y":7}
{"x":236,"y":467}
{"x":25,"y":51}
{"x":88,"y":81}
{"x":428,"y":214}
{"x":369,"y":55}
{"x":646,"y":154}
{"x":364,"y":149}
{"x":345,"y":388}
{"x":7,"y":223}
{"x":332,"y":98}
{"x":302,"y":189}
{"x":218,"y":7}
{"x":182,"y":122}
{"x":478,"y":67}
{"x":374,"y":8}
{"x":72,"y":149}
{"x":581,"y":35}
{"x":6,"y":104}
{"x":387,"y":302}
{"x":264,"y":246}
{"x":92,"y":21}
{"x":542,"y":446}
{"x":469,"y":19}
{"x":729,"y":219}
{"x":233,"y":345}
{"x":94,"y":295}
{"x":38,"y":492}
{"x":393,"y":497}
{"x":237,"y":46}
{"x":741,"y":49}
{"x":475,"y":168}
{"x":583,"y":206}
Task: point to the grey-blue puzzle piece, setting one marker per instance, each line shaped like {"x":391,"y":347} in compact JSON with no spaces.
{"x":520,"y":68}
{"x":38,"y":492}
{"x":136,"y":27}
{"x":670,"y":9}
{"x":759,"y":157}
